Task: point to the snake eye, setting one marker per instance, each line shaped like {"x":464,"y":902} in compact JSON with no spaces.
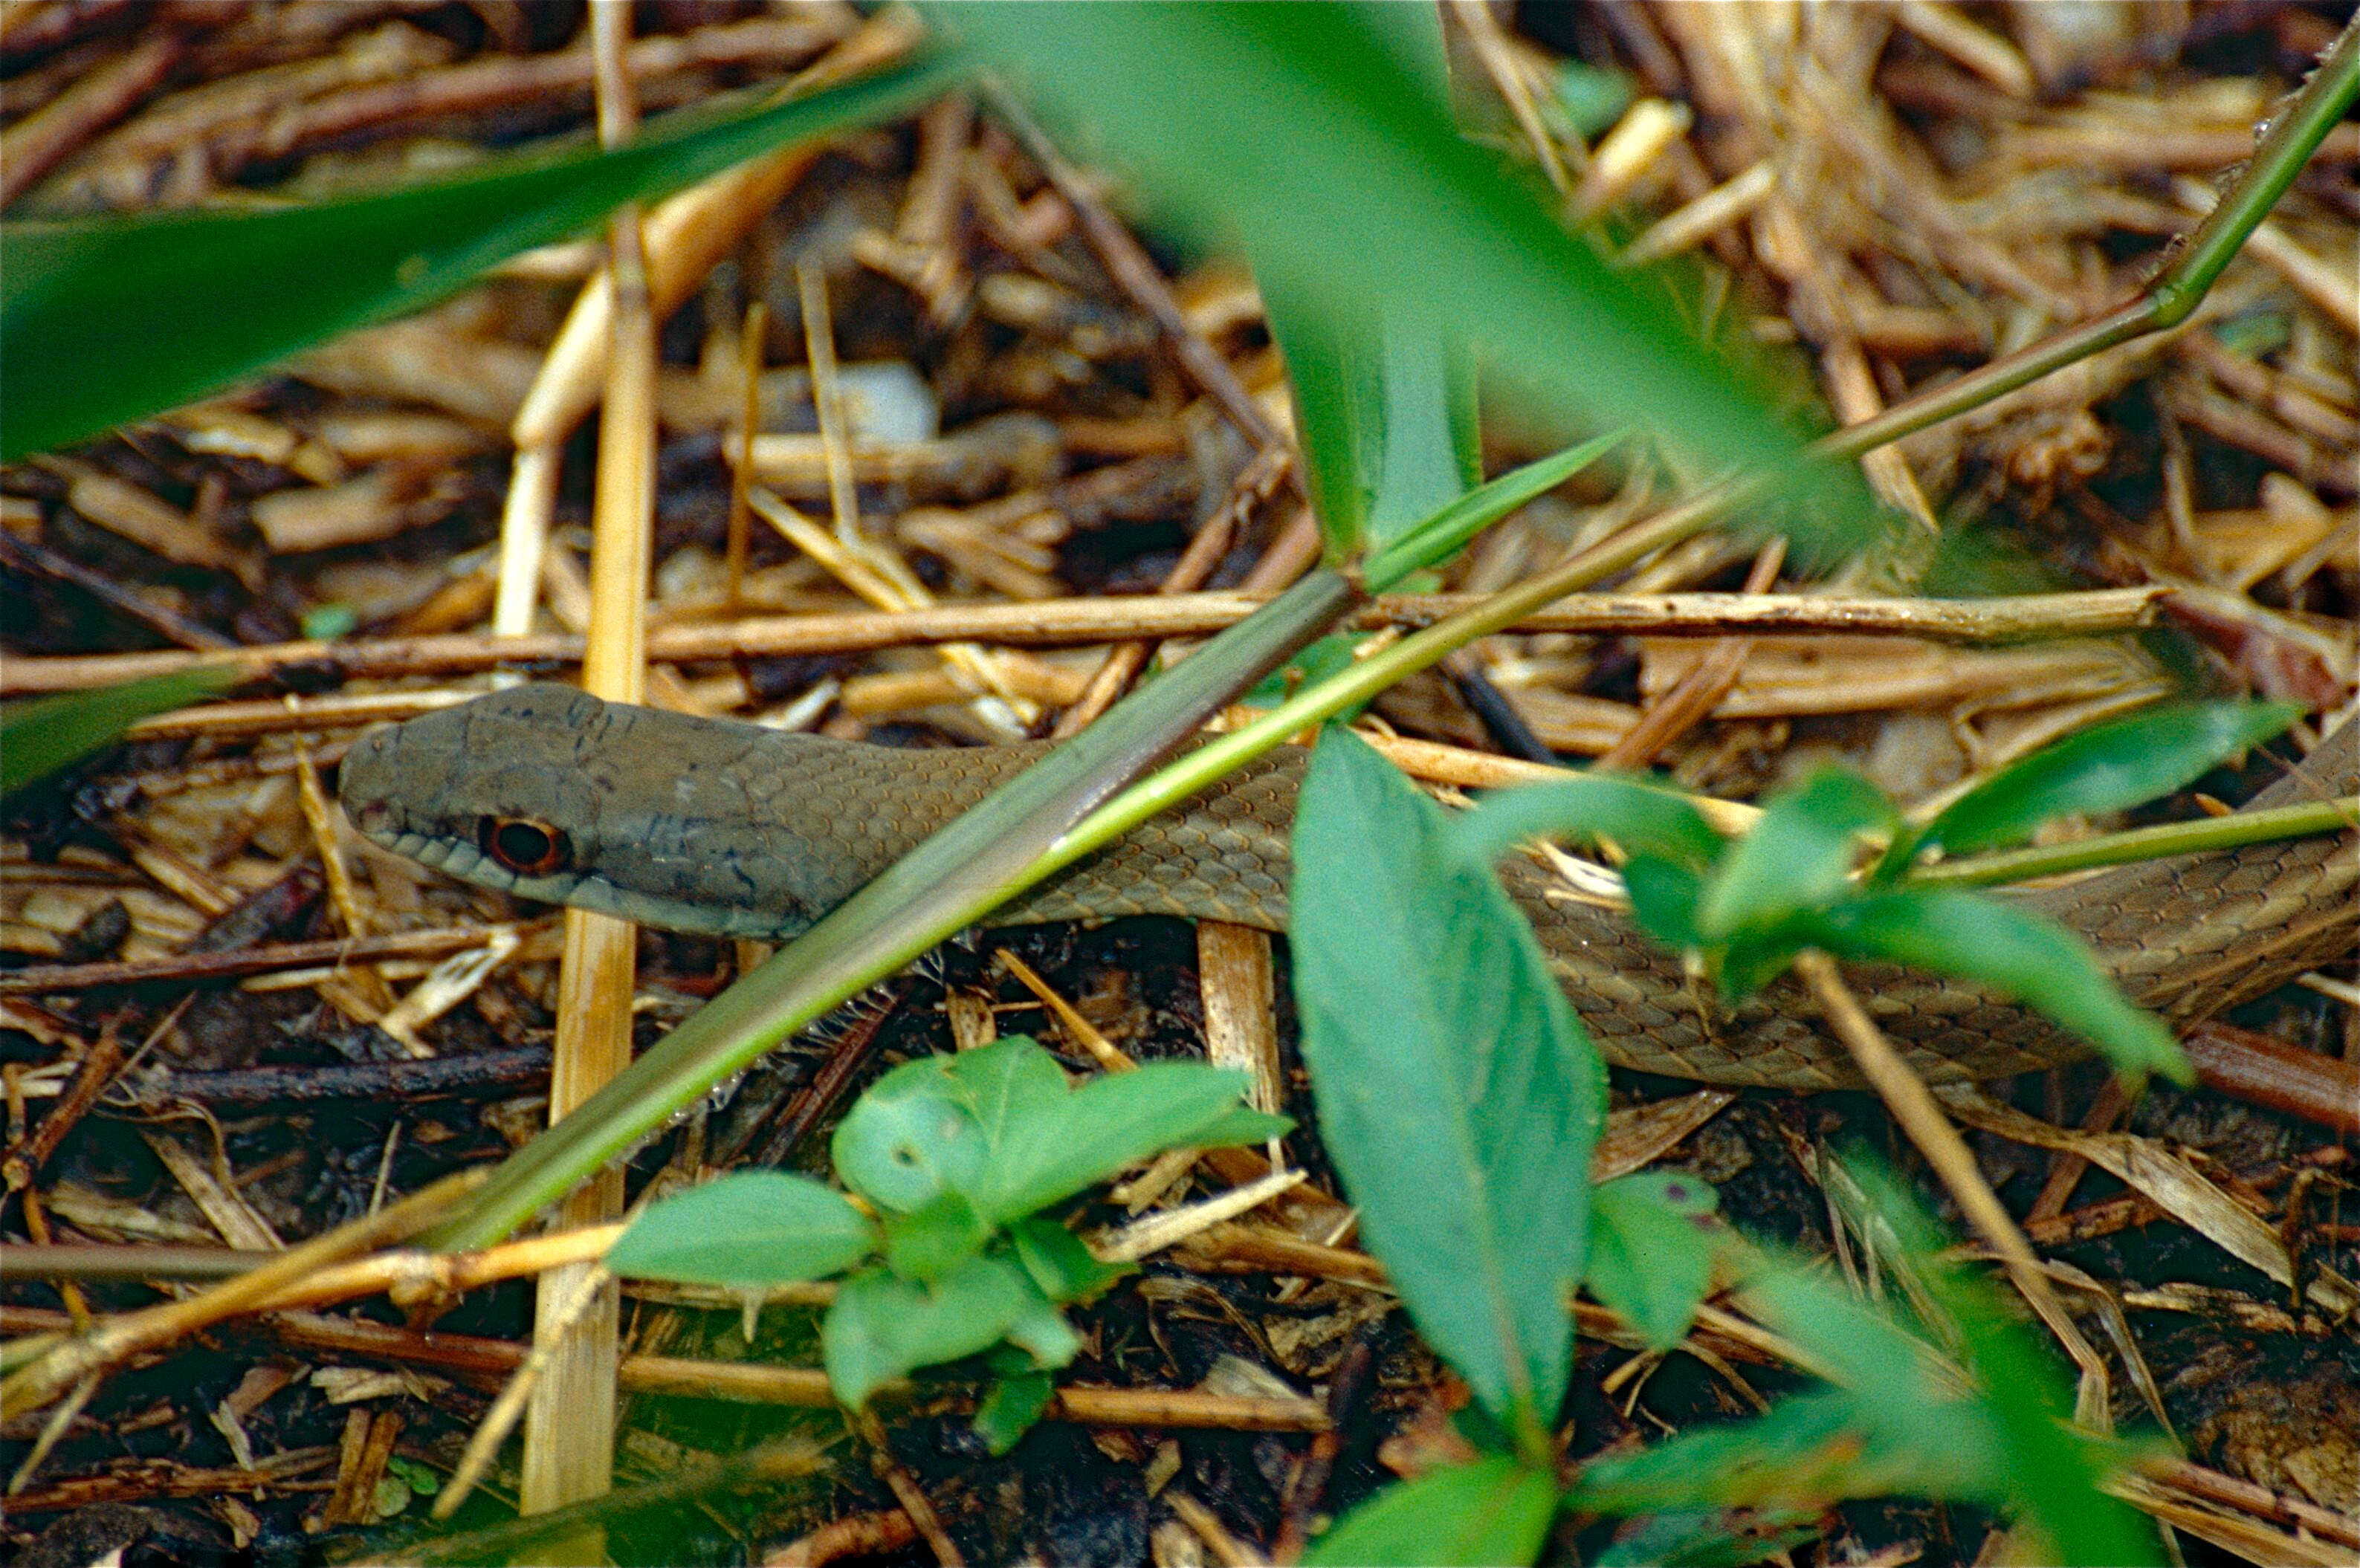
{"x":524,"y":846}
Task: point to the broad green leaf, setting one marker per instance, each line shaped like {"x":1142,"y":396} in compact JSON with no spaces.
{"x":107,"y":319}
{"x":929,"y":1242}
{"x":746,"y":1232}
{"x":881,"y":1326}
{"x":1651,"y":1248}
{"x":1294,"y":128}
{"x":1796,"y":856}
{"x":1011,"y":1408}
{"x":1042,"y":1330}
{"x":1108,"y":1123}
{"x":1493,"y":1511}
{"x":910,"y":1139}
{"x":1704,"y":1538}
{"x":1064,"y":1270}
{"x":2020,"y":954}
{"x":1005,"y":1084}
{"x":1458,"y":1094}
{"x":41,"y":735}
{"x":2106,"y":768}
{"x":1640,"y":817}
{"x":1436,"y":539}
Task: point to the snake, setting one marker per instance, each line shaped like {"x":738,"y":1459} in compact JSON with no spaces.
{"x":725,"y":828}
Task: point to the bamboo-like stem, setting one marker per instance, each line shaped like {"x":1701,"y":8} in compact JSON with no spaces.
{"x":569,"y":1423}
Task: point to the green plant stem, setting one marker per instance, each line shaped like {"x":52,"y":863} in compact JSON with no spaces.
{"x":2203,"y":834}
{"x":2286,"y":146}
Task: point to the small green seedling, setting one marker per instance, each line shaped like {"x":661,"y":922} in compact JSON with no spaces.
{"x":1461,"y":1114}
{"x":955,"y":1159}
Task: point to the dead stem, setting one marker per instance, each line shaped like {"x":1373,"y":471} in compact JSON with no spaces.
{"x":1913,"y":1107}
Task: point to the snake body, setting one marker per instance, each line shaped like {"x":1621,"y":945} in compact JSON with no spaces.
{"x":729,"y":828}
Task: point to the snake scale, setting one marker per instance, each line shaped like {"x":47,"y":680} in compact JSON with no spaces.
{"x":728,"y":829}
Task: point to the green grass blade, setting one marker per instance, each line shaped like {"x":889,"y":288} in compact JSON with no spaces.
{"x":42,"y":735}
{"x":1384,"y":405}
{"x":1295,"y":129}
{"x":107,"y":319}
{"x":1459,"y":517}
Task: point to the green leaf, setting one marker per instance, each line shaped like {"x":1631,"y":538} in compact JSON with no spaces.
{"x":2020,"y":954}
{"x":1384,"y":413}
{"x":1458,"y":1094}
{"x":910,"y":1139}
{"x":1297,"y":129}
{"x":2106,"y":768}
{"x":1040,"y":1329}
{"x":1705,"y":1538}
{"x":1384,"y":399}
{"x":42,"y":735}
{"x":1796,"y":856}
{"x":881,"y":1326}
{"x":1109,"y":1121}
{"x":1664,"y":900}
{"x":1651,"y":1250}
{"x":746,"y":1232}
{"x":1005,"y":1085}
{"x":1438,"y":538}
{"x":2053,"y":1472}
{"x":1493,"y":1511}
{"x":1010,"y":1409}
{"x":1641,"y":818}
{"x":1066,"y":1270}
{"x":107,"y":319}
{"x":1593,"y":99}
{"x":928,"y":1243}
{"x":1807,"y":1453}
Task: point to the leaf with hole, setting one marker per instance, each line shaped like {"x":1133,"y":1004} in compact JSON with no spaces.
{"x":1651,"y":1249}
{"x":910,"y":1139}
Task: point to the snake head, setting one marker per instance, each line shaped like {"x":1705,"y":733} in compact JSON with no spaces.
{"x":722,"y":829}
